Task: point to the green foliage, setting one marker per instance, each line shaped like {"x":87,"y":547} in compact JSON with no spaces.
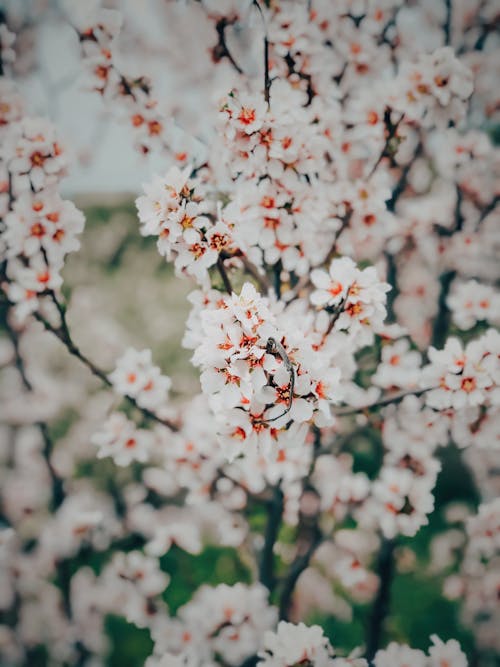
{"x":130,"y":646}
{"x":215,"y":565}
{"x":419,"y":610}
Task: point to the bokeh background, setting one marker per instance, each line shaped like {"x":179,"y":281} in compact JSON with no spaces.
{"x":123,"y":293}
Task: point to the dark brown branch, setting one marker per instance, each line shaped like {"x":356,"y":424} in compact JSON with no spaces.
{"x":403,"y":180}
{"x":221,"y":50}
{"x":223,"y":274}
{"x":267,"y":80}
{"x":274,"y":515}
{"x":442,"y":321}
{"x":277,"y":268}
{"x":73,"y":349}
{"x":380,"y":609}
{"x":346,"y":219}
{"x":336,"y":314}
{"x":389,"y":149}
{"x":298,"y":566}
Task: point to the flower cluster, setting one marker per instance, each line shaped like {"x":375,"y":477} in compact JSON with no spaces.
{"x":137,"y":377}
{"x":294,"y":644}
{"x":435,"y":89}
{"x":264,"y":384}
{"x":38,"y":228}
{"x":172,"y":211}
{"x":440,"y":653}
{"x":356,"y":295}
{"x":130,"y":96}
{"x":479,"y":576}
{"x":98,"y":30}
{"x":471,"y":302}
{"x":274,"y":154}
{"x":120,"y":439}
{"x":464,"y":377}
{"x":227,"y":621}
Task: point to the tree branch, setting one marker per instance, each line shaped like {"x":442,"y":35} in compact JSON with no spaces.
{"x":298,"y":566}
{"x":442,"y":321}
{"x":387,"y":400}
{"x":380,"y":609}
{"x":48,"y":445}
{"x":223,"y":274}
{"x":221,"y":50}
{"x":274,"y":515}
{"x":447,"y":23}
{"x":64,"y":335}
{"x":267,"y":78}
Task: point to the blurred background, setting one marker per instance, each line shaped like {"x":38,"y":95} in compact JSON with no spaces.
{"x":123,"y":293}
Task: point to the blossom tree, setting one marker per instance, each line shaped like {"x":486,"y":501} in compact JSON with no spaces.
{"x":331,"y":196}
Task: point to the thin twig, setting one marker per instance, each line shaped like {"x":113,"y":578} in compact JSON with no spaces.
{"x":391,"y":129}
{"x":387,"y":400}
{"x":403,"y":180}
{"x":64,"y":335}
{"x":346,"y":219}
{"x":223,"y":274}
{"x":489,"y":208}
{"x":267,"y":78}
{"x":48,"y":446}
{"x":277,"y":268}
{"x":274,"y":345}
{"x":73,"y":349}
{"x":221,"y":49}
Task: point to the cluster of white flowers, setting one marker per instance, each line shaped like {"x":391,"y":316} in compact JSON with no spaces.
{"x":136,"y":376}
{"x":38,"y":228}
{"x":225,"y":621}
{"x":401,"y":500}
{"x":479,"y":575}
{"x":402,"y":497}
{"x":399,"y":366}
{"x":358,"y":294}
{"x":172,"y":211}
{"x":299,"y":644}
{"x":98,"y":29}
{"x":339,"y":488}
{"x":263,"y":383}
{"x":130,"y":95}
{"x":435,"y":89}
{"x":281,"y":207}
{"x":440,"y":653}
{"x":471,"y":302}
{"x":464,"y":377}
{"x":122,"y":440}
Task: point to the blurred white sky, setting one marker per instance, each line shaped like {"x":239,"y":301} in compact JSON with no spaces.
{"x":100,"y":144}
